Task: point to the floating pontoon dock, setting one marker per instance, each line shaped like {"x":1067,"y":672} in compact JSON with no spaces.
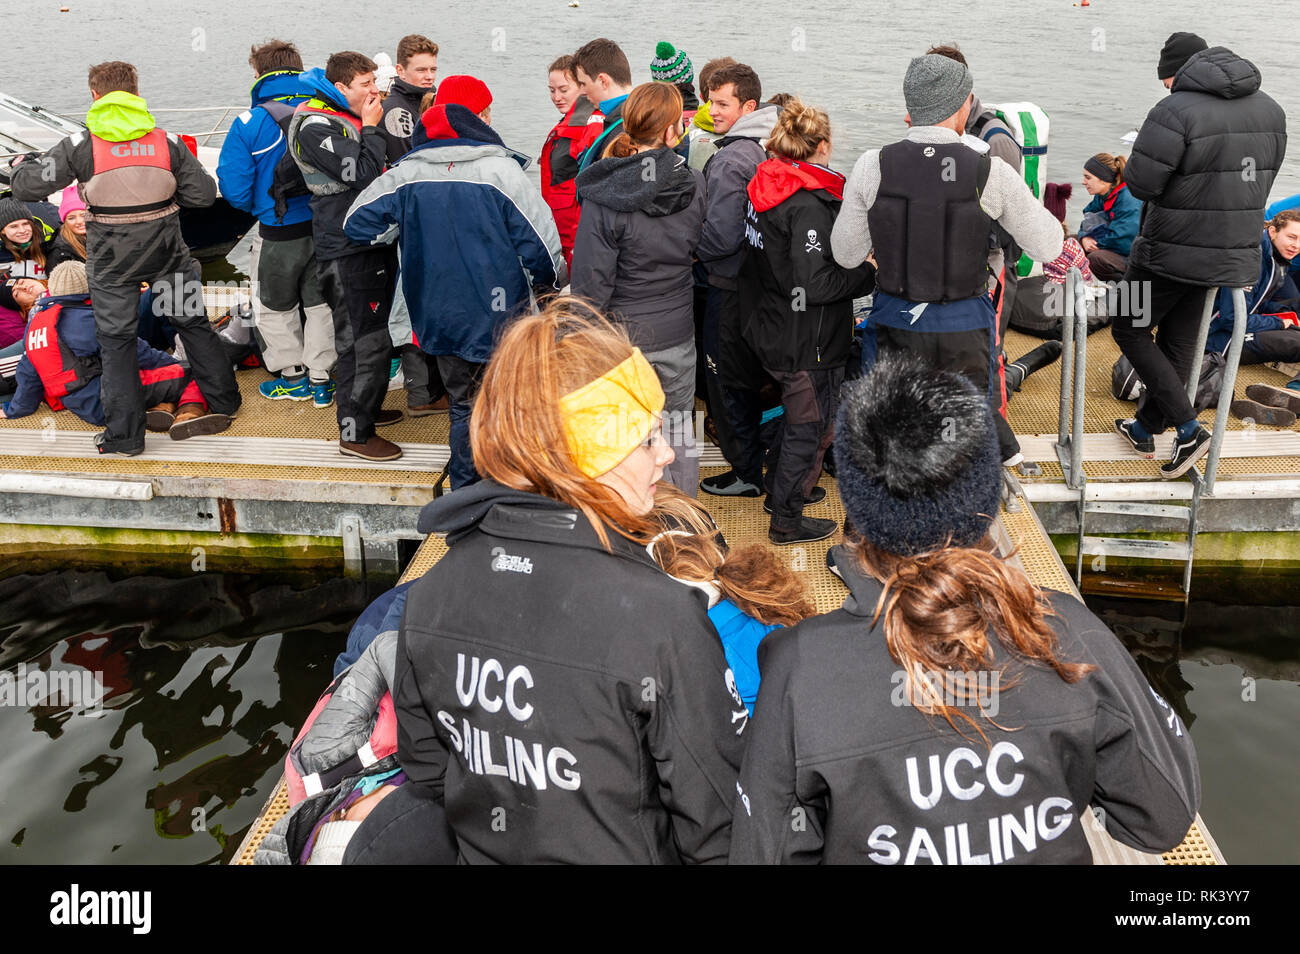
{"x":743,"y":520}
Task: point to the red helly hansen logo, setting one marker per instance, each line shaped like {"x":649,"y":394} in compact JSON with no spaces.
{"x":374,"y":307}
{"x":137,"y":148}
{"x":38,"y":338}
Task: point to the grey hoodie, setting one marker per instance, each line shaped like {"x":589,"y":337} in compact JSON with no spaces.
{"x":727,"y":175}
{"x":641,"y":218}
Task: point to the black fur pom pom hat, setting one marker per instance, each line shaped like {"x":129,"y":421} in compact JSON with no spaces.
{"x":916,"y":457}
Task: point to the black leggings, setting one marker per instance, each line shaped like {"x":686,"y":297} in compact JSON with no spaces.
{"x":409,"y":827}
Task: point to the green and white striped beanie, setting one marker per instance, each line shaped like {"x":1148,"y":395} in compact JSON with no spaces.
{"x":670,"y":64}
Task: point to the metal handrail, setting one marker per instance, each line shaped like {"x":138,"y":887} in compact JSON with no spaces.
{"x":1074,"y":373}
{"x":1229,"y":386}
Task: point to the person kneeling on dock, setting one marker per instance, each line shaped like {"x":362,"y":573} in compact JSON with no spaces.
{"x":951,"y":712}
{"x":62,"y":365}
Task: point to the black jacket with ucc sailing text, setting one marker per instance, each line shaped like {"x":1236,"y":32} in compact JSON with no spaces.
{"x":566,"y":703}
{"x":839,"y":768}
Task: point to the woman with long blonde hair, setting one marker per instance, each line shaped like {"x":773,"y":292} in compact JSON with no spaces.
{"x":951,"y":712}
{"x":558,"y":696}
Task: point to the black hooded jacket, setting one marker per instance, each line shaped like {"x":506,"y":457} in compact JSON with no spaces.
{"x":1203,"y":164}
{"x":401,"y":116}
{"x":565,"y":703}
{"x":641,"y":221}
{"x":841,"y":769}
{"x":796,"y":302}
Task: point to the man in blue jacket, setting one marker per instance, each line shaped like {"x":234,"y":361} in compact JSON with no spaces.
{"x":462,"y":208}
{"x":299,"y":354}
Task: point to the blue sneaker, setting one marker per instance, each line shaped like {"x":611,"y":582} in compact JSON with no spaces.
{"x":322,"y":395}
{"x":282,"y":390}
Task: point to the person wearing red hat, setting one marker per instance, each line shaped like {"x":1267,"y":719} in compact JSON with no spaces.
{"x":460,"y":204}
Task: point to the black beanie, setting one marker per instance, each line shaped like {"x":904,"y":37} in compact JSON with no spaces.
{"x":1178,"y":49}
{"x":916,"y":458}
{"x":11,"y":210}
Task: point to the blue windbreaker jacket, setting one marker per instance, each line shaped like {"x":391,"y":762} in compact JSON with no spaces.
{"x":253,"y":146}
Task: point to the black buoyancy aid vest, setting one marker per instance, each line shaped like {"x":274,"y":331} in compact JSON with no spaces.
{"x":929,"y":232}
{"x":61,"y":371}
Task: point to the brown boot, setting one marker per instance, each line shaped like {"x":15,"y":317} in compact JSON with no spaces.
{"x":193,"y":420}
{"x":160,"y":416}
{"x":374,"y":449}
{"x":424,"y":410}
{"x":385,"y":418}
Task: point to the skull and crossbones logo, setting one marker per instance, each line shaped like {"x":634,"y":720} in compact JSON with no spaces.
{"x":812,"y":244}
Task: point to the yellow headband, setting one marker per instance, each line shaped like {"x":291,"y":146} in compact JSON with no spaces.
{"x":606,"y":419}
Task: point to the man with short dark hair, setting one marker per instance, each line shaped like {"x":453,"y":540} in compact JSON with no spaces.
{"x":299,"y":355}
{"x":605,"y":78}
{"x":134,"y":177}
{"x":1203,"y":162}
{"x":335,"y":140}
{"x":733,"y":374}
{"x":417,"y":69}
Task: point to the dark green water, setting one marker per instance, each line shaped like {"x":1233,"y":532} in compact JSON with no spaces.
{"x":206,"y":678}
{"x":209,"y":676}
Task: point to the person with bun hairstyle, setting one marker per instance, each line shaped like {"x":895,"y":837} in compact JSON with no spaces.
{"x":1111,"y":219}
{"x":797,"y":305}
{"x":951,"y":712}
{"x":557,"y":694}
{"x":643,"y":209}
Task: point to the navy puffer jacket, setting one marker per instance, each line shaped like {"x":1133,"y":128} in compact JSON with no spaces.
{"x":1204,"y":162}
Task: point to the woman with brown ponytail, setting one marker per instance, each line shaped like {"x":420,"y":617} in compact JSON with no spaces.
{"x":642,"y":211}
{"x":1111,"y":219}
{"x":950,"y":712}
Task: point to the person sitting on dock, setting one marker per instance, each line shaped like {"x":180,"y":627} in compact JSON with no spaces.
{"x":62,"y":366}
{"x":1272,"y":322}
{"x":134,"y":178}
{"x":465,"y":211}
{"x":544,"y":733}
{"x":951,"y":712}
{"x":1110,"y":220}
{"x":298,"y":349}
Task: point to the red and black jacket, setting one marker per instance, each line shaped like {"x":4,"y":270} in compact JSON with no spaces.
{"x":798,"y":301}
{"x":565,"y":144}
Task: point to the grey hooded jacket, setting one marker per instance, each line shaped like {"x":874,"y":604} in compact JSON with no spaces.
{"x":641,"y":219}
{"x":726,"y":177}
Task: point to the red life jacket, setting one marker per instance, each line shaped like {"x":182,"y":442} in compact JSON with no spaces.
{"x":149,"y":151}
{"x":562,"y":197}
{"x":303,"y":783}
{"x":61,"y":371}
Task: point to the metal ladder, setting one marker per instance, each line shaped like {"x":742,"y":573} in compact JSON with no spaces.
{"x":1069,"y":445}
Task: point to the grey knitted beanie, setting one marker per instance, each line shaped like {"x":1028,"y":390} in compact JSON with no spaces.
{"x":934,"y":88}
